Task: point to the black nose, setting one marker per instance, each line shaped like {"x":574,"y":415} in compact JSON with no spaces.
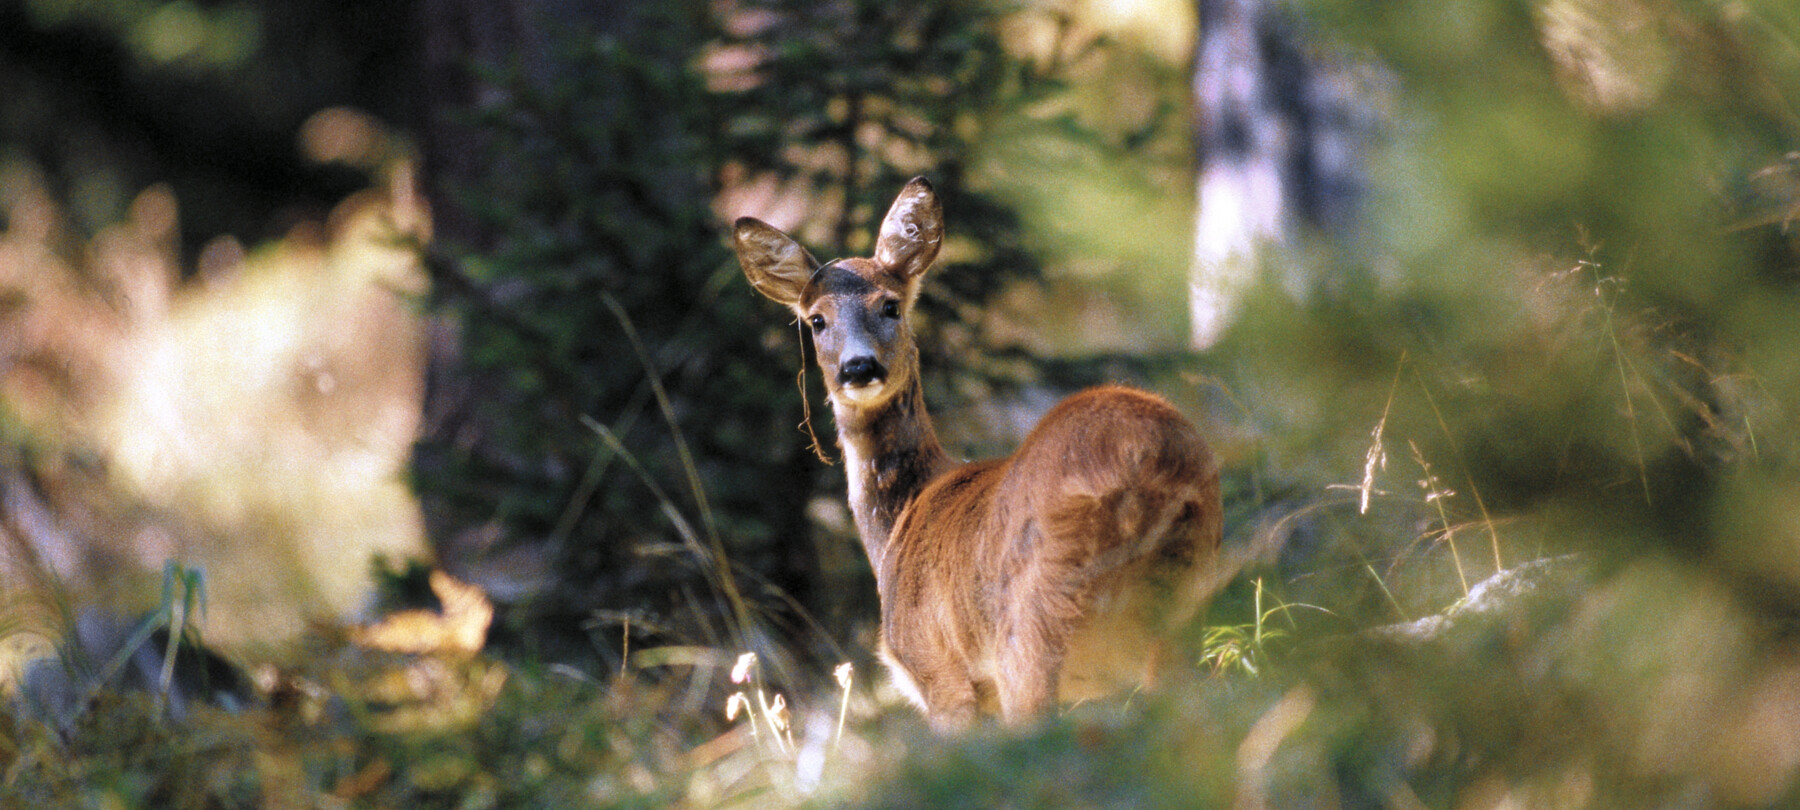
{"x":859,"y":371}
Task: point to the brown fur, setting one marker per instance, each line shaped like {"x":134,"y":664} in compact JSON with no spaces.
{"x":1005,"y":583}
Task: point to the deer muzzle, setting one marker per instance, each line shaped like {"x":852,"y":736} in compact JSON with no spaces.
{"x":861,"y":378}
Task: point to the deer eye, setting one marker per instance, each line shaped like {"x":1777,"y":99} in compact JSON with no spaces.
{"x":890,"y":308}
{"x":818,"y":323}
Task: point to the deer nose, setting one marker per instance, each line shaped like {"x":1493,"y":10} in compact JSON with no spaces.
{"x":860,"y":371}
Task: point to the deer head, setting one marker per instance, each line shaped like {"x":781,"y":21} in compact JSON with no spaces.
{"x":857,"y":308}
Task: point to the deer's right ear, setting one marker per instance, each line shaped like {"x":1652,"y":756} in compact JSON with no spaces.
{"x":776,"y":265}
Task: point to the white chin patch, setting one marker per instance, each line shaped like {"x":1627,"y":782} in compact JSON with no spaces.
{"x":860,"y":394}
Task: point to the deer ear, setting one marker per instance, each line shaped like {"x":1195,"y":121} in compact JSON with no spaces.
{"x":776,"y":265}
{"x":912,"y":231}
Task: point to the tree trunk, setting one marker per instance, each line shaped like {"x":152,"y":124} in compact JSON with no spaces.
{"x":1280,"y":133}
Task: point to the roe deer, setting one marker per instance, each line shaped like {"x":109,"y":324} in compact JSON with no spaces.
{"x":1009,"y":581}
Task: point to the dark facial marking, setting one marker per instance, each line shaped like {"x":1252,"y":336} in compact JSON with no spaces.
{"x":836,"y":279}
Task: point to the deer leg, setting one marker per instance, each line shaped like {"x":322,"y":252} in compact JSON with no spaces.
{"x":1030,"y":666}
{"x":950,"y":704}
{"x":1051,"y":596}
{"x":944,"y":693}
{"x":1075,"y":548}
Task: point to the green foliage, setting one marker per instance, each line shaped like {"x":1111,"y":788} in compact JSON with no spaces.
{"x":380,"y":731}
{"x":206,"y":97}
{"x":1575,"y":318}
{"x":538,"y":742}
{"x":600,"y":181}
{"x":124,"y":752}
{"x":608,"y":292}
{"x":1569,"y":345}
{"x":1084,"y":762}
{"x":1246,"y":648}
{"x":1577,"y":337}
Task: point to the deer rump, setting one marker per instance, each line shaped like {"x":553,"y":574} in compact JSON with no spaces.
{"x":1078,"y":555}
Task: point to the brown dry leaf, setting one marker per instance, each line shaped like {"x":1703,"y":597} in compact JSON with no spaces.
{"x":461,"y":629}
{"x":363,"y":782}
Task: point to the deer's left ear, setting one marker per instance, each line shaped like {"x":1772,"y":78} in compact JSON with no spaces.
{"x":912,"y":231}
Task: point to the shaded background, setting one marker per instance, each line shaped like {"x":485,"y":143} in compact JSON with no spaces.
{"x":312,"y":296}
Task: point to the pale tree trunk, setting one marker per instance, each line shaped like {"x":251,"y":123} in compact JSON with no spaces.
{"x":1280,"y":133}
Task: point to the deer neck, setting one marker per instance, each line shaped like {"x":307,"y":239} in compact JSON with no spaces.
{"x":890,"y":453}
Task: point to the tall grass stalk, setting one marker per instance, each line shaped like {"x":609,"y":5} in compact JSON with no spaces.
{"x":190,"y":585}
{"x":773,"y":713}
{"x":1487,"y":519}
{"x":843,"y":674}
{"x":1621,"y":361}
{"x":1382,"y":585}
{"x":1245,"y":646}
{"x":1435,"y":495}
{"x":1377,"y":456}
{"x":720,"y":561}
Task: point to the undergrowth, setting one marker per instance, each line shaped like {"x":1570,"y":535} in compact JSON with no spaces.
{"x":1376,"y":648}
{"x":1509,"y":531}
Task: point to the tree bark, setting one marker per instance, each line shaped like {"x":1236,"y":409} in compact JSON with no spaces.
{"x":1280,"y":134}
